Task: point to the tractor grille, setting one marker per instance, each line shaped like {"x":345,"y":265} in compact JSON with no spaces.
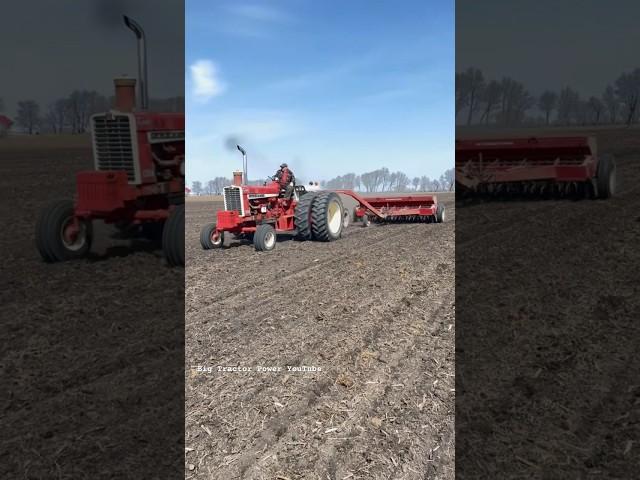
{"x":233,"y":199}
{"x":113,"y":145}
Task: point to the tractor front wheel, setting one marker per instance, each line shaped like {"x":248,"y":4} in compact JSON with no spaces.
{"x":265,"y":238}
{"x":173,"y":237}
{"x":209,"y":239}
{"x":60,"y":235}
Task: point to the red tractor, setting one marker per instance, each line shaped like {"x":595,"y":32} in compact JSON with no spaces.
{"x":138,"y":181}
{"x":259,"y":213}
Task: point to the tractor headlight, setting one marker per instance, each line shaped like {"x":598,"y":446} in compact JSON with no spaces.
{"x":263,"y":209}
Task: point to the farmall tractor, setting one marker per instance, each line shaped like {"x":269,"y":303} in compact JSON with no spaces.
{"x":259,"y":213}
{"x":138,"y":181}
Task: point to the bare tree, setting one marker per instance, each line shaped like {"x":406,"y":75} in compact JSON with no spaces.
{"x":81,"y":104}
{"x":416,"y":183}
{"x":219,"y":183}
{"x":628,"y":91}
{"x":514,"y":103}
{"x":472,"y":83}
{"x":461,"y":93}
{"x":448,"y":179}
{"x":385,"y":179}
{"x":611,"y":103}
{"x":196,"y":187}
{"x":425,"y":183}
{"x":490,"y":96}
{"x":28,"y":115}
{"x":595,"y":108}
{"x":401,"y":182}
{"x":547,"y":103}
{"x":568,"y":104}
{"x":367,"y":181}
{"x":56,"y":116}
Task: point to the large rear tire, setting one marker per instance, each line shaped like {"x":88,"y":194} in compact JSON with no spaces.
{"x":327,"y":217}
{"x":606,"y":176}
{"x":173,"y":237}
{"x":265,"y":238}
{"x":302,"y":216}
{"x":60,"y":236}
{"x":206,"y":237}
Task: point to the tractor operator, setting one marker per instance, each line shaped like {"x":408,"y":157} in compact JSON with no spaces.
{"x":286,"y":179}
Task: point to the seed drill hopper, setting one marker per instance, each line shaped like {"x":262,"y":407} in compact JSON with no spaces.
{"x":548,"y":167}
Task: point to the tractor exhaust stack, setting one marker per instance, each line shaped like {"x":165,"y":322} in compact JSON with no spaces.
{"x":142,"y":60}
{"x":244,"y":163}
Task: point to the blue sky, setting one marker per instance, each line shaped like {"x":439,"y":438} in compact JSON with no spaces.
{"x":330,"y":87}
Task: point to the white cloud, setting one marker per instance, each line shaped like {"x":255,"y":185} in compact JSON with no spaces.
{"x":206,"y":82}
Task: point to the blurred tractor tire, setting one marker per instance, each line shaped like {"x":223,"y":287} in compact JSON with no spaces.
{"x":173,"y":237}
{"x":51,"y":241}
{"x":606,"y":176}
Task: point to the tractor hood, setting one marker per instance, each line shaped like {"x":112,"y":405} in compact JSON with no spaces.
{"x":149,"y":121}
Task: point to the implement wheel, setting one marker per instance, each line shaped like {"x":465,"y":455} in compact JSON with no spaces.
{"x":173,"y":237}
{"x":440,"y":213}
{"x":606,"y":176}
{"x":60,"y":235}
{"x":208,"y":240}
{"x":265,"y":238}
{"x":303,"y":216}
{"x":327,"y":217}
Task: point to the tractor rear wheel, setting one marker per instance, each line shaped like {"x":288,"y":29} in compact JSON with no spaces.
{"x":60,"y":235}
{"x":206,"y":237}
{"x":173,"y":237}
{"x":440,"y":213}
{"x":606,"y":176}
{"x":327,"y":217}
{"x":302,"y":216}
{"x":265,"y":238}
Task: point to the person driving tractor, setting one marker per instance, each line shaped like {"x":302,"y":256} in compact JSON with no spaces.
{"x":286,"y":179}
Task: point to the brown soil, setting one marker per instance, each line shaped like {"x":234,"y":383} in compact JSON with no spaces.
{"x":373,"y":310}
{"x":91,"y":351}
{"x":547,"y":329}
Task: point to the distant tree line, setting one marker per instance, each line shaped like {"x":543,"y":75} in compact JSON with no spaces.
{"x":507,"y":102}
{"x":72,"y":113}
{"x":212,"y":187}
{"x":381,"y":180}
